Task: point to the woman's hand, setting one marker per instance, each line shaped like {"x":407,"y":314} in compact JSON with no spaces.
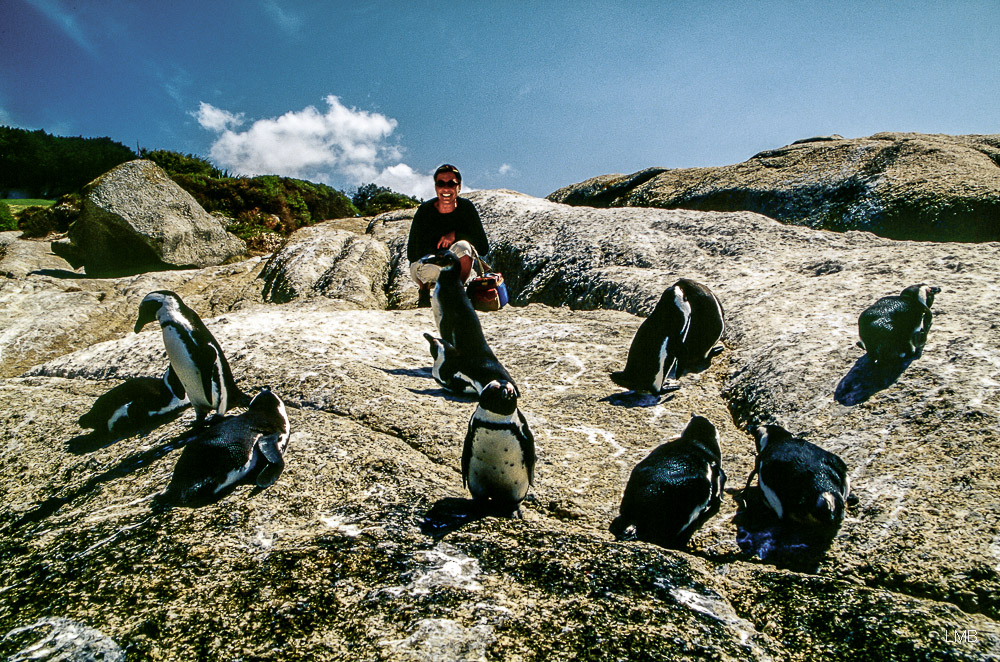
{"x":447,"y":240}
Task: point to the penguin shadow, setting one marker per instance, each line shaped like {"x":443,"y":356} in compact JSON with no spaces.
{"x":784,"y":544}
{"x":427,"y":374}
{"x":865,"y":379}
{"x":632,"y":399}
{"x":409,"y":372}
{"x":451,"y":514}
{"x":94,"y":440}
{"x":124,"y":467}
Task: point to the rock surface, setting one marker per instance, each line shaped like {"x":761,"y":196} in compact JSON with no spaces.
{"x":363,"y":549}
{"x":897,"y":185}
{"x":134,"y":219}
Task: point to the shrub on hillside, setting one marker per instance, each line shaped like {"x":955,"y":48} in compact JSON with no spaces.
{"x":295,"y":202}
{"x":371,"y":200}
{"x":7,"y":220}
{"x":175,"y":163}
{"x":42,"y":221}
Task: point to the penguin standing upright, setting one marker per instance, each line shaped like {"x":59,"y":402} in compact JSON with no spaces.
{"x":675,"y":489}
{"x":461,"y":333}
{"x":678,"y":336}
{"x":498,"y":458}
{"x":800,"y":481}
{"x":230,"y":450}
{"x":194,"y":354}
{"x":136,"y":405}
{"x":895,"y":328}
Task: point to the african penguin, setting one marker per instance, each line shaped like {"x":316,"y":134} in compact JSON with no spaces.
{"x":463,"y":374}
{"x":677,"y":337}
{"x":232,"y":449}
{"x":895,"y":328}
{"x":498,"y":458}
{"x":194,"y":354}
{"x":136,"y":405}
{"x":457,"y":321}
{"x":800,"y":481}
{"x":674,"y":490}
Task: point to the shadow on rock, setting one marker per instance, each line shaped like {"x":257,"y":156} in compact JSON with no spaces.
{"x":124,"y":467}
{"x":785,"y":544}
{"x":450,"y":514}
{"x":409,"y":372}
{"x":95,"y":440}
{"x":634,"y":399}
{"x":866,"y":379}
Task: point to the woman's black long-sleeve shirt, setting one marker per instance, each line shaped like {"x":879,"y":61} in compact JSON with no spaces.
{"x":429,"y":225}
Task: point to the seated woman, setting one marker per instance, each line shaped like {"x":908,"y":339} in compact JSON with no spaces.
{"x":446,"y":221}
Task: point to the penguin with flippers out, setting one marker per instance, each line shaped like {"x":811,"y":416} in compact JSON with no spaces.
{"x":895,"y":328}
{"x":678,"y":336}
{"x":498,"y":457}
{"x":673,"y":490}
{"x":231,"y":450}
{"x":195,"y":355}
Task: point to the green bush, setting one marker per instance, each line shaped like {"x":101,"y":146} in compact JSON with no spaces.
{"x":7,"y":220}
{"x":42,"y":221}
{"x":371,"y":200}
{"x":295,"y":202}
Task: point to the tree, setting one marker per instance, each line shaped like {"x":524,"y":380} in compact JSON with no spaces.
{"x":372,"y":199}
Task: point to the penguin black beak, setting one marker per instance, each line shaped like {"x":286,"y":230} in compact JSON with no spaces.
{"x":146,"y":315}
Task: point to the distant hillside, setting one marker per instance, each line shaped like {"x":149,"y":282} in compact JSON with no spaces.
{"x":41,"y":165}
{"x":47,"y":166}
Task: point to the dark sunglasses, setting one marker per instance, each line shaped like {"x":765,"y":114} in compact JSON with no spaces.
{"x":451,"y":183}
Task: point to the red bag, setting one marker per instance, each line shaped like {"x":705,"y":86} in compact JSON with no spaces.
{"x":487,"y":292}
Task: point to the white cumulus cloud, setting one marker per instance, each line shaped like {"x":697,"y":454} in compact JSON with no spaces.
{"x":404,"y":179}
{"x":505,"y":168}
{"x":341,"y":145}
{"x":216,"y":119}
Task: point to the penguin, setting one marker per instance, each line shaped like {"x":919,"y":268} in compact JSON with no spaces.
{"x":461,"y":374}
{"x":194,"y":353}
{"x":895,"y":328}
{"x":673,"y":490}
{"x":678,"y":336}
{"x":232,"y":449}
{"x":800,"y":481}
{"x":457,"y":321}
{"x":498,"y":458}
{"x":136,"y":405}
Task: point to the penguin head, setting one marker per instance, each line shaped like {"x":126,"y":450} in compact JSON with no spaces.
{"x":765,"y":434}
{"x":828,"y":509}
{"x":443,"y":259}
{"x":440,"y":347}
{"x":922,"y":292}
{"x":151,"y":305}
{"x":700,"y":431}
{"x":269,"y":405}
{"x":499,"y":397}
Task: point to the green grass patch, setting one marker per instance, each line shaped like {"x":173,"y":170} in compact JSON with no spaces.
{"x":18,"y":205}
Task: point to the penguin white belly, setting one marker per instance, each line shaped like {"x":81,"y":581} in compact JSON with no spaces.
{"x":496,"y":469}
{"x":771,"y":497}
{"x":239,"y":473}
{"x":187,"y":371}
{"x":699,"y":508}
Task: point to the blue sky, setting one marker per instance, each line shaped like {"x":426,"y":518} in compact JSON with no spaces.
{"x":529,"y":96}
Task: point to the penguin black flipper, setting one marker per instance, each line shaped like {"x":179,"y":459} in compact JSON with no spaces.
{"x":527,"y":440}
{"x":269,"y":448}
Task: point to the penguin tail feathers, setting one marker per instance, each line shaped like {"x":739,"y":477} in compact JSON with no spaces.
{"x":622,"y":529}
